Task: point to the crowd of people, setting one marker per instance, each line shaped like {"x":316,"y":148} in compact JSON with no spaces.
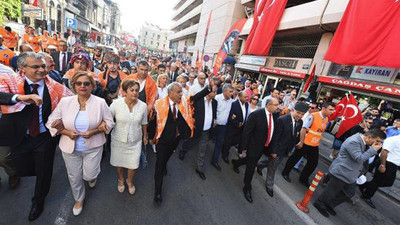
{"x":126,"y":102}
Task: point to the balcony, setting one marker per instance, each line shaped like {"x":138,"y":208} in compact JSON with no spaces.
{"x":178,"y":3}
{"x":188,"y":6}
{"x":249,"y":3}
{"x":184,"y":22}
{"x":188,"y":32}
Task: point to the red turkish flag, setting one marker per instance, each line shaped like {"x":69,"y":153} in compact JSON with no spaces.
{"x":35,"y":3}
{"x":310,"y":79}
{"x":266,"y":20}
{"x":368,"y":34}
{"x":351,"y":116}
{"x":339,"y":109}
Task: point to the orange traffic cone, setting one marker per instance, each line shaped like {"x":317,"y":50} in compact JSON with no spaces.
{"x":303,"y":204}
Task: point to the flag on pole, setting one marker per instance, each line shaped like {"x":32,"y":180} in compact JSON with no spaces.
{"x":351,"y":116}
{"x":205,"y":40}
{"x":310,"y":79}
{"x":339,"y":108}
{"x":35,"y":3}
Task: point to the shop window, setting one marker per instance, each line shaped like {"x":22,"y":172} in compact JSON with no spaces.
{"x":338,"y":70}
{"x":397,"y":80}
{"x":296,"y":46}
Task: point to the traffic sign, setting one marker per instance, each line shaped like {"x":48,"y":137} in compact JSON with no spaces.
{"x":71,"y":23}
{"x":206,"y":58}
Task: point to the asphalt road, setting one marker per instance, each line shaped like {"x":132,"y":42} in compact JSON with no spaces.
{"x":187,"y":199}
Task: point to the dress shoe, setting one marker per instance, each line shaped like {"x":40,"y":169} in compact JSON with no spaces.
{"x":305,"y":183}
{"x":36,"y":211}
{"x":368,"y":201}
{"x":321,"y":210}
{"x":330,"y":210}
{"x":259,"y":171}
{"x":286,"y":177}
{"x":77,"y":211}
{"x":270,"y":192}
{"x":201,"y":174}
{"x":92,"y":183}
{"x":225,"y":159}
{"x":247,"y":195}
{"x":216,"y":165}
{"x":158,"y":199}
{"x":181,"y":156}
{"x":13,"y":181}
{"x":235,"y":168}
{"x":361,"y":187}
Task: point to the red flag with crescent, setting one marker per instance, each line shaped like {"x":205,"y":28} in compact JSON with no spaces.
{"x":351,"y":116}
{"x":339,"y":109}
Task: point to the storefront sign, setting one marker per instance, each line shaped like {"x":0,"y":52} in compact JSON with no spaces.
{"x":373,"y":73}
{"x":254,"y":60}
{"x":286,"y":63}
{"x":283,"y":72}
{"x":383,"y":89}
{"x":32,"y":11}
{"x":247,"y":67}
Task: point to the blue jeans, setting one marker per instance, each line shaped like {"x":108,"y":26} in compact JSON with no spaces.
{"x":220,"y":131}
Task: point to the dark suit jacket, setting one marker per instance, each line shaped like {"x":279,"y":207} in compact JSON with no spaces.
{"x":5,"y":98}
{"x":174,"y":76}
{"x":284,"y":139}
{"x":233,"y":124}
{"x":13,"y":126}
{"x":199,"y":108}
{"x":255,"y":133}
{"x":56,"y":58}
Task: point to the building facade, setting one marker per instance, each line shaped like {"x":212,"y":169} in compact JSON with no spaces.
{"x":154,"y":38}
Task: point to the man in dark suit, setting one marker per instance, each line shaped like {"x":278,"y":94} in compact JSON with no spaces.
{"x":173,"y":73}
{"x":62,"y":58}
{"x":22,"y":127}
{"x":11,"y":99}
{"x":286,"y":136}
{"x":205,"y":113}
{"x":236,"y":121}
{"x":257,"y":139}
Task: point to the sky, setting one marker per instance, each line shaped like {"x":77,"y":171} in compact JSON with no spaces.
{"x":136,"y":12}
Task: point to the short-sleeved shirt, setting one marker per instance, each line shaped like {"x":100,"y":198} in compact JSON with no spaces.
{"x":307,"y":121}
{"x":392,"y":144}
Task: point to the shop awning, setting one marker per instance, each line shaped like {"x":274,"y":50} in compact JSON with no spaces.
{"x":94,"y":27}
{"x":365,"y":86}
{"x":247,"y":67}
{"x":283,"y":73}
{"x":82,"y":25}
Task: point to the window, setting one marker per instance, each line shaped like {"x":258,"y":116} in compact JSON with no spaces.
{"x":158,"y":37}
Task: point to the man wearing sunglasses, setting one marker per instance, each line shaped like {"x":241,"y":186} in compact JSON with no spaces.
{"x":22,"y":127}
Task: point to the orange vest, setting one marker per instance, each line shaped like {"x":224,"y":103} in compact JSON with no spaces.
{"x":10,"y":39}
{"x":5,"y":56}
{"x":314,"y":134}
{"x":34,"y":42}
{"x":54,"y":42}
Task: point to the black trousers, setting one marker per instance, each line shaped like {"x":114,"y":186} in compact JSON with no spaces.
{"x":231,"y":139}
{"x":251,"y":163}
{"x":385,"y":179}
{"x":312,"y":155}
{"x":335,"y":193}
{"x":35,"y":157}
{"x":164,"y":152}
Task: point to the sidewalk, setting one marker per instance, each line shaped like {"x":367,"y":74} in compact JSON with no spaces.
{"x":392,"y":192}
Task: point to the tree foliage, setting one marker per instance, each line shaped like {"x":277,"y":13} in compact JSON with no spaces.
{"x":10,"y":9}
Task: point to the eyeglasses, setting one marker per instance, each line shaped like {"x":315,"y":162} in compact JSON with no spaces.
{"x":35,"y":67}
{"x":86,"y":83}
{"x":312,"y":107}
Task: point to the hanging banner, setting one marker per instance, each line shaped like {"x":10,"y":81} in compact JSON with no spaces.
{"x":226,"y":47}
{"x":368,"y":35}
{"x":266,"y":21}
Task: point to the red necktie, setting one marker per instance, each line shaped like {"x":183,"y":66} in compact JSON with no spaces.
{"x":64,"y":64}
{"x":34,"y":124}
{"x":269,"y":130}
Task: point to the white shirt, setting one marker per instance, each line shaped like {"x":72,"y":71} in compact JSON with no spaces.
{"x":223,"y":109}
{"x":392,"y":144}
{"x":189,"y":84}
{"x":207,"y":114}
{"x":270,"y":122}
{"x":81,"y":125}
{"x":61,"y":59}
{"x":195,"y":89}
{"x":162,"y":92}
{"x":243,"y":106}
{"x":40,"y":92}
{"x":142,"y":84}
{"x":171,"y":105}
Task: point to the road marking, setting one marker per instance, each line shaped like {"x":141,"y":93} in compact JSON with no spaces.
{"x":65,"y":210}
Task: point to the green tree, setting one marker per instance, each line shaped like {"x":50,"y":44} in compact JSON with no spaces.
{"x":10,"y":9}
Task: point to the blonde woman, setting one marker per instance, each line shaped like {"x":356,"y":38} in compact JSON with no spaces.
{"x":162,"y":80}
{"x":86,"y":119}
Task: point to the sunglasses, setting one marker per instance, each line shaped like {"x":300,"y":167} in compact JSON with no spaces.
{"x":86,"y":83}
{"x":35,"y":67}
{"x":312,"y":108}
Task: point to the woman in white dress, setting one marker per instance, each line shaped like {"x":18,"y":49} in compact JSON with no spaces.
{"x":162,"y":85}
{"x":130,"y":129}
{"x":253,"y":104}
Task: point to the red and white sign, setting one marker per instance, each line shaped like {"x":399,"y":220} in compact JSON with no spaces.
{"x":283,"y":72}
{"x":383,"y":89}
